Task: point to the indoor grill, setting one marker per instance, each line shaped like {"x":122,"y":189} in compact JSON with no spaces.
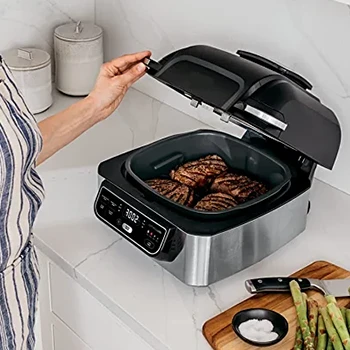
{"x":288,"y":133}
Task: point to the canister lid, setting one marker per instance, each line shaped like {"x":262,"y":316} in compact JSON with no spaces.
{"x":80,"y":31}
{"x":26,"y":58}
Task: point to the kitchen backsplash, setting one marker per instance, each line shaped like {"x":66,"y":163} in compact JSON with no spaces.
{"x":308,"y":36}
{"x":26,"y":23}
{"x":139,"y":120}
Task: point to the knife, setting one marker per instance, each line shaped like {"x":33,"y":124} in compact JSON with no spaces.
{"x":337,"y":288}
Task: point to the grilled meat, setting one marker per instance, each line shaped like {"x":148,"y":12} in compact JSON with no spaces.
{"x":209,"y":173}
{"x":199,"y":173}
{"x":173,"y":190}
{"x":241,"y":187}
{"x":216,"y":202}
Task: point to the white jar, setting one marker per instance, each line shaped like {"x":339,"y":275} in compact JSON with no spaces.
{"x":78,"y":57}
{"x":31,"y":69}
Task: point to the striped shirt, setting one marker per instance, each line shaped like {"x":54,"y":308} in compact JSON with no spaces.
{"x":21,"y":194}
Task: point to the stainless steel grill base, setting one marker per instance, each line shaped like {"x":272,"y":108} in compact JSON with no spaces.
{"x":206,"y":260}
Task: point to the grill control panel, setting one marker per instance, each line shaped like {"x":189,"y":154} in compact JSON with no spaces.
{"x":129,"y":222}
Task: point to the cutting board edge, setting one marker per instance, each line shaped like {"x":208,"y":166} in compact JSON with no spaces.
{"x":315,"y":262}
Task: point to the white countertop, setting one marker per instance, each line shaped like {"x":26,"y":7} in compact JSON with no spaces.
{"x":161,"y":309}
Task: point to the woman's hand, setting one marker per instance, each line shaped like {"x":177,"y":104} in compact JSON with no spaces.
{"x":114,"y":80}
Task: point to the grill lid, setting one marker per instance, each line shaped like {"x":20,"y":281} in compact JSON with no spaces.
{"x":256,"y":93}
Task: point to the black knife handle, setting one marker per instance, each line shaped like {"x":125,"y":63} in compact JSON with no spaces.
{"x":275,"y":284}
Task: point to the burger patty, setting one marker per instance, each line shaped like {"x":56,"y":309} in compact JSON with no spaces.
{"x":241,"y":187}
{"x":199,"y":173}
{"x":173,"y":190}
{"x":216,"y":202}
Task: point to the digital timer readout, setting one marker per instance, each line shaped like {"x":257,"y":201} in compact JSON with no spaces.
{"x":132,"y":216}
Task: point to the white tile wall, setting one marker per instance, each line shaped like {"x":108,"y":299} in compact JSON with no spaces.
{"x":309,"y":36}
{"x":138,"y":120}
{"x":344,"y":1}
{"x":30,"y":23}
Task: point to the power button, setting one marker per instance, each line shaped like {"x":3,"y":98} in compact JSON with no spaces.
{"x":149,"y":244}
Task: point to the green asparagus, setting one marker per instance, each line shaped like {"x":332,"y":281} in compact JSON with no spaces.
{"x":339,"y":323}
{"x":332,"y":333}
{"x":329,"y":345}
{"x":298,"y":344}
{"x":302,"y":315}
{"x":331,"y":299}
{"x":312,"y":310}
{"x":304,"y":296}
{"x":321,"y":334}
{"x":343,"y":313}
{"x":348,"y":318}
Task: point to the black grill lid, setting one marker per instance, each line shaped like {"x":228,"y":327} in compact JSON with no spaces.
{"x":258,"y":93}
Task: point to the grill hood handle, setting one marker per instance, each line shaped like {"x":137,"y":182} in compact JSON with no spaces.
{"x":153,"y":66}
{"x":298,"y":79}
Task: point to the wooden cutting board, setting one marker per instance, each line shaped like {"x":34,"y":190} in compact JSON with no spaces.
{"x":220,"y":335}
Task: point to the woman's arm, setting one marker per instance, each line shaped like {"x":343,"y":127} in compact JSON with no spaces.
{"x":113,"y":82}
{"x":62,"y":128}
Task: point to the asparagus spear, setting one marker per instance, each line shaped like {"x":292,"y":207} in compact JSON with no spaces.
{"x":343,"y":313}
{"x":348,"y":318}
{"x":312,"y":309}
{"x":339,"y":324}
{"x":302,"y":315}
{"x":298,"y":344}
{"x":329,"y":345}
{"x":321,"y":334}
{"x":304,"y":296}
{"x":331,"y":299}
{"x":332,"y":333}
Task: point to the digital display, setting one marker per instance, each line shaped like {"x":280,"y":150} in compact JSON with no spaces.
{"x":129,"y":222}
{"x":132,"y":216}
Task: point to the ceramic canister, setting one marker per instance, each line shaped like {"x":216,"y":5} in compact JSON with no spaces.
{"x":31,"y":69}
{"x":78,"y":57}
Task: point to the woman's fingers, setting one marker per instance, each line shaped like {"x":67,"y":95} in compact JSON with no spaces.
{"x":114,"y":79}
{"x":131,"y":75}
{"x":121,"y":64}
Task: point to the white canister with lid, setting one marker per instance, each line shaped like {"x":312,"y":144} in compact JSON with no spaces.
{"x":78,"y":57}
{"x":31,"y":69}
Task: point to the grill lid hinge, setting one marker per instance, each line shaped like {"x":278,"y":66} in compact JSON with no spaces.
{"x":194,"y":103}
{"x":225,"y":117}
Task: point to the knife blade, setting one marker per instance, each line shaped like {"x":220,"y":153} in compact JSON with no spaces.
{"x":337,"y":288}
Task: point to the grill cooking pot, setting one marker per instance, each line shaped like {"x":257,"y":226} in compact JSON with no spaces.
{"x":159,"y":158}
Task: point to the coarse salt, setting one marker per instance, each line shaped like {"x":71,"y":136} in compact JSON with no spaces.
{"x":258,"y":330}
